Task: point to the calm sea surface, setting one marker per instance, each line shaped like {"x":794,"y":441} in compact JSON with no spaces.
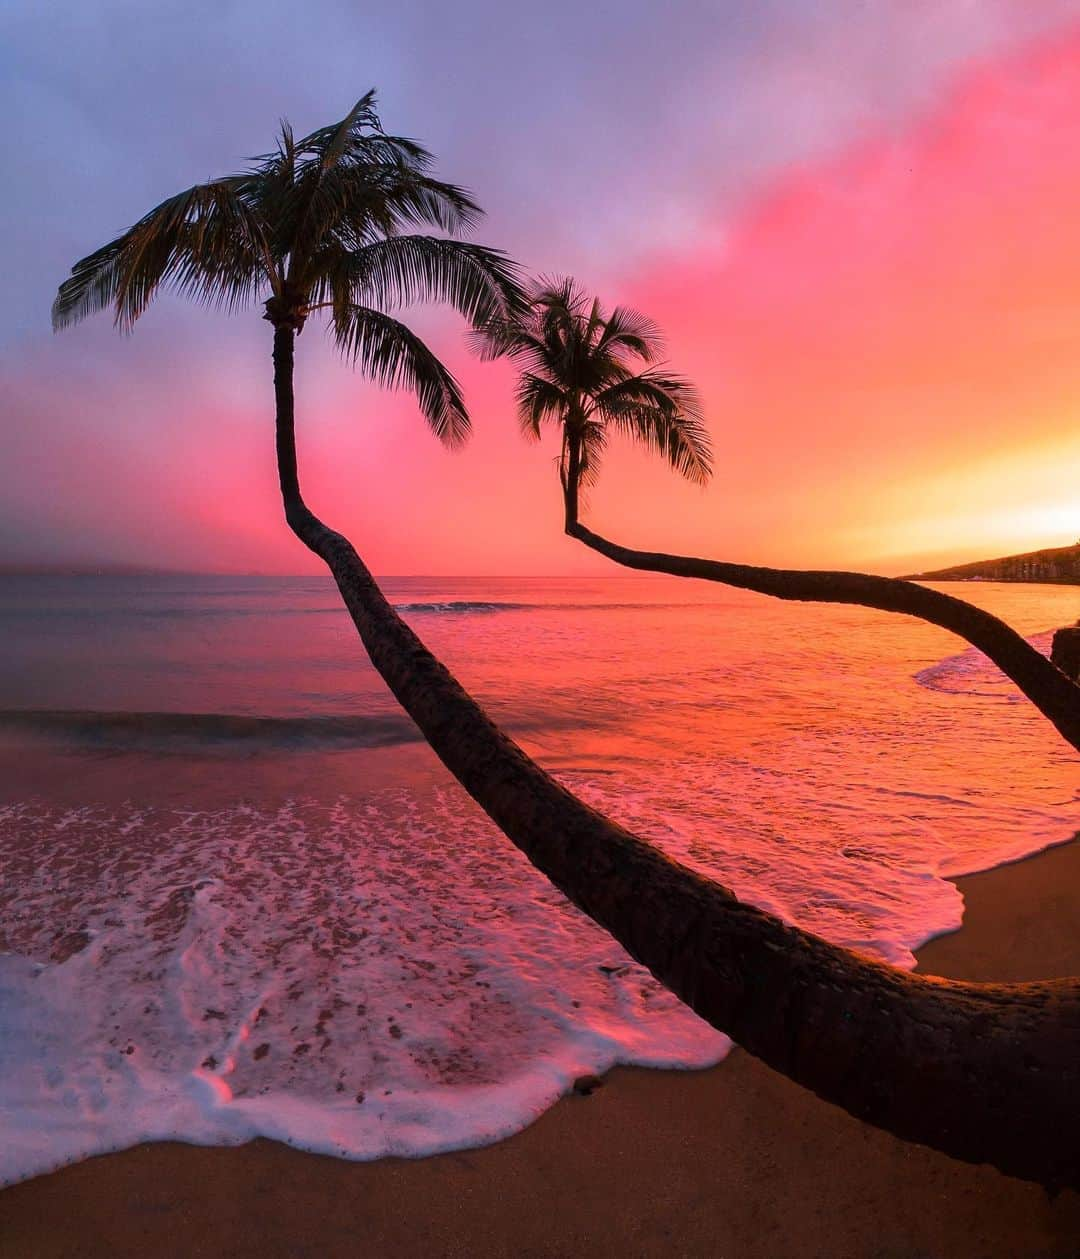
{"x":239,"y":895}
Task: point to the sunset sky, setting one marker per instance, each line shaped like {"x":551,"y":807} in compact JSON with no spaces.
{"x":858,"y":224}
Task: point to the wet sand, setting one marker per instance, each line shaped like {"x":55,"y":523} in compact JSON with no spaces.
{"x":734,"y":1162}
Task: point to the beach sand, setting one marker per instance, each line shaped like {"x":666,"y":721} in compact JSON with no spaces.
{"x":734,"y":1162}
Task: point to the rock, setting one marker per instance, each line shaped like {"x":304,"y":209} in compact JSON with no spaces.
{"x":586,"y":1084}
{"x":1065,"y":651}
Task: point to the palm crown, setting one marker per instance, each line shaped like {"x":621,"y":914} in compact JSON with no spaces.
{"x":579,"y":371}
{"x":320,"y":223}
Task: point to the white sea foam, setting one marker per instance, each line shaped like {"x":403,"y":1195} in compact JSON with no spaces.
{"x":362,"y":981}
{"x":389,"y":976}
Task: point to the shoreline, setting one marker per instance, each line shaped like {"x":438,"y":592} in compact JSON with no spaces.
{"x":734,"y":1160}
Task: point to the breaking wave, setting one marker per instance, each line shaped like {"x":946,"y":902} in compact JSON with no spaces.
{"x":972,"y":673}
{"x":464,"y":605}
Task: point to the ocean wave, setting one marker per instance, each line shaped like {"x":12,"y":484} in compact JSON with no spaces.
{"x":179,"y":731}
{"x":972,"y":673}
{"x":466,"y":605}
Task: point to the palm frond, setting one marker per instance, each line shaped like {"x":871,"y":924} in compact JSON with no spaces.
{"x":593,"y":445}
{"x":206,"y":242}
{"x":662,"y":412}
{"x":558,"y":294}
{"x":390,"y":353}
{"x":417,"y":200}
{"x":626,"y":329}
{"x":327,"y":144}
{"x":482,"y":284}
{"x":508,"y":338}
{"x":534,"y":336}
{"x":538,"y":401}
{"x":356,"y":203}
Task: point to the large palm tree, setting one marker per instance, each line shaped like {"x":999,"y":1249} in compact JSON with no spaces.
{"x":985,"y":1072}
{"x":320,"y":224}
{"x":578,"y":372}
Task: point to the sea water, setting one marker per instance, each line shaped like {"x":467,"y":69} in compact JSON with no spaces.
{"x":239,"y":896}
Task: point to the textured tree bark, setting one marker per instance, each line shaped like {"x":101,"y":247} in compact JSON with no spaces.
{"x":570,"y":482}
{"x":1056,"y":696}
{"x":987,"y":1073}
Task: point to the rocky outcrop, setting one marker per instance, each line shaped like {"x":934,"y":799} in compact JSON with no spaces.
{"x":1065,"y":651}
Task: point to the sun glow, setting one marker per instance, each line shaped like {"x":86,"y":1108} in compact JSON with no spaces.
{"x":1017,"y":500}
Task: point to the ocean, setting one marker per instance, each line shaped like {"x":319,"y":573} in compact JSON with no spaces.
{"x":239,"y":896}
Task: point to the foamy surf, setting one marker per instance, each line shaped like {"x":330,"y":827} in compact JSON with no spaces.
{"x":337,"y":978}
{"x":385,"y":976}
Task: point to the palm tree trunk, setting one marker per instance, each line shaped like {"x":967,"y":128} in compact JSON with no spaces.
{"x":988,"y":1073}
{"x":1056,"y":696}
{"x":571,"y":481}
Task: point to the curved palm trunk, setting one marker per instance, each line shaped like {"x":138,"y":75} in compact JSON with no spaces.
{"x":1056,"y":696}
{"x":988,"y":1073}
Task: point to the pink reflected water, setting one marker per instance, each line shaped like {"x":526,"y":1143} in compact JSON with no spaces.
{"x":239,"y":896}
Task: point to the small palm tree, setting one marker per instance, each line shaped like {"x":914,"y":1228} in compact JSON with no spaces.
{"x":578,"y":372}
{"x":593,"y":374}
{"x":321,"y":223}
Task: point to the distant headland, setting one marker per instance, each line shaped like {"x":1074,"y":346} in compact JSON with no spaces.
{"x":1060,"y":564}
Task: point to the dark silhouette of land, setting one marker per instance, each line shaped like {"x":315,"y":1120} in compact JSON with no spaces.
{"x":1059,"y":564}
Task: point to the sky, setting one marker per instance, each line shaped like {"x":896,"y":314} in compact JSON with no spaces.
{"x":857,"y":222}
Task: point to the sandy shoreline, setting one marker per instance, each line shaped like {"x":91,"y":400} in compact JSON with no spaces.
{"x":730,"y":1162}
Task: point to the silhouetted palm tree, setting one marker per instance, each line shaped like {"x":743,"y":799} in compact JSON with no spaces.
{"x":576,"y":372}
{"x":319,"y":224}
{"x":985,"y":1072}
{"x":592,"y":374}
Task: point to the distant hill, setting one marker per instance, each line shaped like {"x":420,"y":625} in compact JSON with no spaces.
{"x":1060,"y":564}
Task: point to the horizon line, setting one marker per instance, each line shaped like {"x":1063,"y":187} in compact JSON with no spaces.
{"x":64,"y":570}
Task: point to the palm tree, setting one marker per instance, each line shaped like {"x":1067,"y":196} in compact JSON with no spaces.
{"x":576,"y":373}
{"x":319,"y":224}
{"x":985,"y":1072}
